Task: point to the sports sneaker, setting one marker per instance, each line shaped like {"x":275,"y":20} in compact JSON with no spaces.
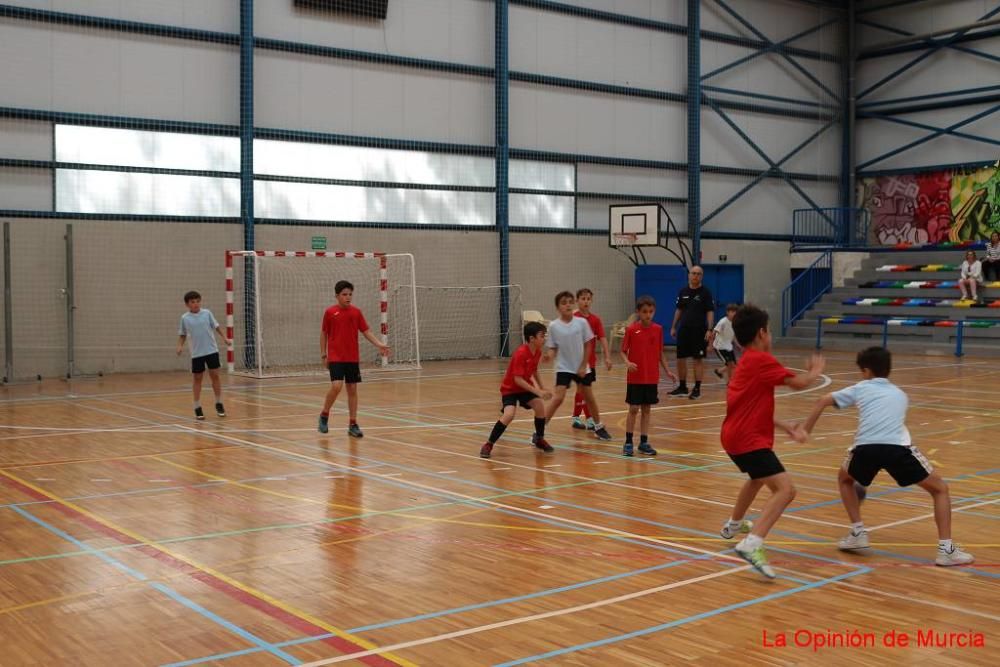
{"x":541,"y":444}
{"x":590,"y":424}
{"x":486,"y":450}
{"x":853,"y":541}
{"x":954,"y":557}
{"x":680,"y":390}
{"x":695,"y":393}
{"x":324,"y":424}
{"x":628,"y":449}
{"x":757,"y":558}
{"x":729,"y":532}
{"x":602,"y":433}
{"x":646,"y":448}
{"x":220,"y":410}
{"x":579,"y":423}
{"x":355,"y":431}
{"x":718,"y":373}
{"x":199,"y":414}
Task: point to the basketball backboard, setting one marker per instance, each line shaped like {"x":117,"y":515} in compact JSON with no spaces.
{"x":636,"y":225}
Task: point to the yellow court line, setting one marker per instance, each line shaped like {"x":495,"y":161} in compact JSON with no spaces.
{"x":260,"y":595}
{"x":39,"y":603}
{"x":242,"y":485}
{"x":20,"y":466}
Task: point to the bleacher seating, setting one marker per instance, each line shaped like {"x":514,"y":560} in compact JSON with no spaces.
{"x":916,"y":293}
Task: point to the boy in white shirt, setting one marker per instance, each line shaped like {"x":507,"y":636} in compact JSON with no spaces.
{"x":882,"y":442}
{"x":721,"y":340}
{"x":571,"y":340}
{"x":197,"y":328}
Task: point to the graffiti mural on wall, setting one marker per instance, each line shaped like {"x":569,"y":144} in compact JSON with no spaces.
{"x":932,"y":207}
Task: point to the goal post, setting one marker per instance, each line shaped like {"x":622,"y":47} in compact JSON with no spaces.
{"x":275,"y":301}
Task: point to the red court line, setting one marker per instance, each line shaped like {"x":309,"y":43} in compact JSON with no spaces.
{"x":300,"y":624}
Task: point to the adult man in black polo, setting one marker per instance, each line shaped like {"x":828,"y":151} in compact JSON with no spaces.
{"x":693,"y":319}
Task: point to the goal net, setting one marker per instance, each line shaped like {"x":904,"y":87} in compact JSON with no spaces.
{"x":466,"y":322}
{"x":275,"y":302}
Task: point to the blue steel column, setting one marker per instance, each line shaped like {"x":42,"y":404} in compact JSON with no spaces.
{"x":847,"y":175}
{"x":694,"y":126}
{"x":502,"y":126}
{"x":246,"y":174}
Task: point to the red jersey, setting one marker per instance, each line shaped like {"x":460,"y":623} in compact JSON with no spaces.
{"x":524,"y":364}
{"x":749,"y":422}
{"x":342,"y":326}
{"x":598,"y":328}
{"x":644,"y":348}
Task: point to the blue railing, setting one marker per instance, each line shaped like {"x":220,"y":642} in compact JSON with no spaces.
{"x":830,"y":227}
{"x":960,"y":326}
{"x":806,"y":289}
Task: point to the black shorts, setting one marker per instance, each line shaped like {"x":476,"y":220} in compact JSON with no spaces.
{"x":210,"y":361}
{"x":523,"y":399}
{"x":727,"y":356}
{"x":691,"y":343}
{"x":564,"y":379}
{"x":345,"y":371}
{"x":758,"y":463}
{"x":641,"y":394}
{"x":907,"y":465}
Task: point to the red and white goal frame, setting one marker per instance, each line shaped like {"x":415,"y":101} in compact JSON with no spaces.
{"x":382,"y":258}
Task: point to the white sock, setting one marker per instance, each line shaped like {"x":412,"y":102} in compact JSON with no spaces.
{"x":857,"y":528}
{"x":733,"y":523}
{"x":752,"y":541}
{"x":197,"y":404}
{"x":945,"y":545}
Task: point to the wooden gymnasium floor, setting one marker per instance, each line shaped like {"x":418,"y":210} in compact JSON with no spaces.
{"x":132,"y":535}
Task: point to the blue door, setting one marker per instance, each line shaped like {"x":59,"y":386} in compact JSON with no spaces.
{"x":663,"y":281}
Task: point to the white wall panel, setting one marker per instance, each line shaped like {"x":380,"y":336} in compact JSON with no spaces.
{"x":90,"y":71}
{"x":215,"y":15}
{"x":25,"y":189}
{"x":25,"y":139}
{"x":459,"y":31}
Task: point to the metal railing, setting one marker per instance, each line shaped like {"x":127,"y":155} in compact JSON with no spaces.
{"x":830,"y":227}
{"x":960,"y":326}
{"x":806,"y":289}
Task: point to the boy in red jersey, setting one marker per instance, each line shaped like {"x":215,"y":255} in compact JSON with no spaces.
{"x":642,"y":352}
{"x":748,"y":432}
{"x":338,"y":344}
{"x":584,"y":298}
{"x":522,"y":386}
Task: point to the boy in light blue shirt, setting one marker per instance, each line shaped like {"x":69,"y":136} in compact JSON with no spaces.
{"x":572,"y":341}
{"x":882,"y":442}
{"x":198,"y":327}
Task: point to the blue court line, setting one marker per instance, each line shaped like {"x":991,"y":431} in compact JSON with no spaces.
{"x":235,"y":629}
{"x":682,"y":621}
{"x":890,"y":554}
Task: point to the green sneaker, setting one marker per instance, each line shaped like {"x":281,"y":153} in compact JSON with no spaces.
{"x":757,"y":558}
{"x":729,"y":532}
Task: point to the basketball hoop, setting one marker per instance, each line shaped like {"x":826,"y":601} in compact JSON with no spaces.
{"x":624,"y":239}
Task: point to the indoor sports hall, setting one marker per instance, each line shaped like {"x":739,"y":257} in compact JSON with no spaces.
{"x":201,"y":463}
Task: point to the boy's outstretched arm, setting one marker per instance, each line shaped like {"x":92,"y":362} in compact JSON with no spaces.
{"x":820,"y":405}
{"x":803,"y":380}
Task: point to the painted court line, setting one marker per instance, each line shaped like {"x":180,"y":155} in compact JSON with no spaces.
{"x":930,"y":514}
{"x":531,"y":618}
{"x":671,"y":624}
{"x":190,"y":604}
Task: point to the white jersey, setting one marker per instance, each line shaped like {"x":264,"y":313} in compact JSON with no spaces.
{"x":723,"y":335}
{"x":569,"y":338}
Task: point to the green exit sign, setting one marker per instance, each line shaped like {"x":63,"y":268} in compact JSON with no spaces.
{"x":319,"y":243}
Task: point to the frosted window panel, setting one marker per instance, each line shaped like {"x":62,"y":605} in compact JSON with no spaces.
{"x":547,"y":211}
{"x":536,"y":175}
{"x":308,"y":201}
{"x":358,"y":163}
{"x":146,"y":194}
{"x":140,"y":148}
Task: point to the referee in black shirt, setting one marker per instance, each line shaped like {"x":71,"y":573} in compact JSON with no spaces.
{"x":693,"y":319}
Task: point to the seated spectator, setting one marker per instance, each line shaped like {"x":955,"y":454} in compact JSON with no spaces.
{"x":972,"y":276}
{"x":991,"y":263}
